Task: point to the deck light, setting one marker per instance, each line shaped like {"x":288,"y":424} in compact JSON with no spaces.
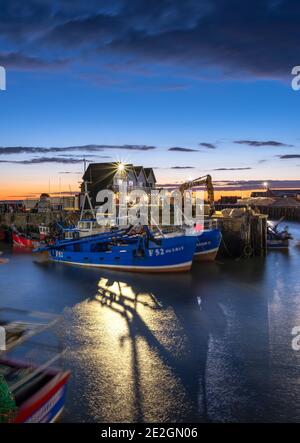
{"x":121,"y":167}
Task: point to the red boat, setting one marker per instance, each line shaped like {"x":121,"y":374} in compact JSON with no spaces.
{"x":24,"y":240}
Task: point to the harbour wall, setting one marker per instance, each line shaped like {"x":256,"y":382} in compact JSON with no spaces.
{"x":273,"y":212}
{"x":243,"y":236}
{"x":33,"y":220}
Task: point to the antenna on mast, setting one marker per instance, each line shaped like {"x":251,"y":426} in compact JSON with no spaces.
{"x":86,"y":196}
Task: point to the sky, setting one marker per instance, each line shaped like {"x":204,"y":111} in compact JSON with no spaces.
{"x":188,"y":88}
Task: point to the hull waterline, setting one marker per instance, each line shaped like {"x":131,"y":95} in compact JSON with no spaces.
{"x":128,"y":253}
{"x":208,"y":244}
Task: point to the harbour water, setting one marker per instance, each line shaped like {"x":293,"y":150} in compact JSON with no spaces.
{"x":213,"y":345}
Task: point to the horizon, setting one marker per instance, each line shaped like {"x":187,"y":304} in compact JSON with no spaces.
{"x":148,"y":84}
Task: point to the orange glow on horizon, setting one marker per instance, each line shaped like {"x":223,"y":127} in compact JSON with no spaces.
{"x":21,"y":192}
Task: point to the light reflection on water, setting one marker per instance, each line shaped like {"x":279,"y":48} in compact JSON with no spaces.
{"x":212,"y":345}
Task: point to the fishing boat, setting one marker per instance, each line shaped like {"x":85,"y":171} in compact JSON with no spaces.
{"x":84,"y":228}
{"x":122,"y":250}
{"x":23,"y":240}
{"x":208,"y":243}
{"x":44,"y":232}
{"x":277,"y":238}
{"x":29,"y":392}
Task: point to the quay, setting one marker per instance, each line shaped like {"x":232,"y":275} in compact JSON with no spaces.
{"x":244,"y":233}
{"x":242,"y":221}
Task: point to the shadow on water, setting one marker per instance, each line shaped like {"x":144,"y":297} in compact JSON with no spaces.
{"x":199,"y":319}
{"x":125,"y":300}
{"x":209,"y":329}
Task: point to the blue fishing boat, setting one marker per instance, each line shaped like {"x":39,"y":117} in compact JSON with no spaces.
{"x":208,"y":243}
{"x":122,"y":250}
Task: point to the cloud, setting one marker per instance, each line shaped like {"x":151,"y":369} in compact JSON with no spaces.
{"x":232,"y":169}
{"x":207,"y":39}
{"x":178,"y":149}
{"x":247,"y":185}
{"x":70,"y":172}
{"x":262,"y":143}
{"x":85,"y":156}
{"x":183,"y":167}
{"x":258,"y":184}
{"x":208,"y":145}
{"x":288,"y":156}
{"x":36,"y":161}
{"x":83,"y":149}
{"x":25,"y":62}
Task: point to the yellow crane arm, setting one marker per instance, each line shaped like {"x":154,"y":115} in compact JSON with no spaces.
{"x":207,"y":181}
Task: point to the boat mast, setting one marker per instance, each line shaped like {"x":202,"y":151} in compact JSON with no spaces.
{"x":86,"y":197}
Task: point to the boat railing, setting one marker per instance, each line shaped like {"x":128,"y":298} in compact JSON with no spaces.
{"x":21,"y":330}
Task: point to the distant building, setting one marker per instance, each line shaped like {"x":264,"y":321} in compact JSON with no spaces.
{"x":229,"y":199}
{"x":151,"y":179}
{"x":278,"y":193}
{"x":11,"y":206}
{"x":100,"y":176}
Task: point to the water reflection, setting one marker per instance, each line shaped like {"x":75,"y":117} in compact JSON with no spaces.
{"x":172,"y":329}
{"x":211,"y":345}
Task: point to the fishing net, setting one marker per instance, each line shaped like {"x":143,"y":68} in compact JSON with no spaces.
{"x":7,"y":402}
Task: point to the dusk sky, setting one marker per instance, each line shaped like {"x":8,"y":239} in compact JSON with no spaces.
{"x":188,"y":87}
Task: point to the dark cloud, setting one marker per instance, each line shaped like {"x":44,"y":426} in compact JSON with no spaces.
{"x":230,"y":38}
{"x":288,"y":156}
{"x":258,"y":184}
{"x":36,"y":161}
{"x":131,"y":147}
{"x":86,"y":156}
{"x":25,"y":62}
{"x":247,"y":185}
{"x":232,"y":169}
{"x":83,"y":149}
{"x":183,"y":167}
{"x":178,"y":149}
{"x":69,"y":172}
{"x":262,"y":143}
{"x":208,"y":145}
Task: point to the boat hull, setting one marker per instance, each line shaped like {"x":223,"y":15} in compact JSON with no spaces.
{"x":173,"y":254}
{"x":47,"y":405}
{"x":208,"y":244}
{"x":278,"y":244}
{"x":24,"y":242}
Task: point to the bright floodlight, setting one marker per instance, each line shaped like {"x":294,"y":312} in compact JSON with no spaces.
{"x":121,"y":167}
{"x":265,"y":184}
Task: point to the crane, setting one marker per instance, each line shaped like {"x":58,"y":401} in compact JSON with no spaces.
{"x":207,"y":181}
